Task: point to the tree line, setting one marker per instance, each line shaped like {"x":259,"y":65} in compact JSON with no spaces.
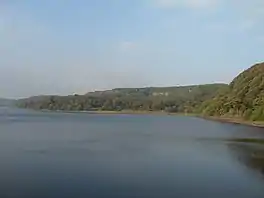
{"x":243,"y":98}
{"x":184,"y":99}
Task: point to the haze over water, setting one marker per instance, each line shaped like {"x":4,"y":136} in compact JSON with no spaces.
{"x":71,"y":155}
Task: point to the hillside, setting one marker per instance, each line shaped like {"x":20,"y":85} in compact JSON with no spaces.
{"x":244,"y":97}
{"x":171,"y":99}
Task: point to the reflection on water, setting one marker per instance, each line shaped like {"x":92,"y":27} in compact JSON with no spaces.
{"x":249,"y":152}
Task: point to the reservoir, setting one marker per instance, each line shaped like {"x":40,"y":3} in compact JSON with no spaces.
{"x":80,"y":155}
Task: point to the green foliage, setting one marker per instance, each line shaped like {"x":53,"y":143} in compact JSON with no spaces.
{"x":185,"y":99}
{"x":257,"y":114}
{"x":244,"y":97}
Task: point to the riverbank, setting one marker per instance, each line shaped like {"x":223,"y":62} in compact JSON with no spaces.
{"x":127,"y":112}
{"x":123,"y":112}
{"x":234,"y":121}
{"x":212,"y":118}
{"x":131,"y":112}
{"x":140,"y":112}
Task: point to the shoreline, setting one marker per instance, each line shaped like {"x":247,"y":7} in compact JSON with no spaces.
{"x":139,"y":112}
{"x":239,"y":121}
{"x":230,"y":120}
{"x":123,"y":112}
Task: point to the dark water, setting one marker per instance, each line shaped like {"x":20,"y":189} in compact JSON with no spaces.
{"x":52,"y":155}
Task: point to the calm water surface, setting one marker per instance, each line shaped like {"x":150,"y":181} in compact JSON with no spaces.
{"x":80,"y":155}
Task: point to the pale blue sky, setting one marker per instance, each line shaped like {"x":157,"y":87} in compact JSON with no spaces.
{"x":75,"y":46}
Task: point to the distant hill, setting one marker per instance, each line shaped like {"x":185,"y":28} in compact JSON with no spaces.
{"x":244,"y":97}
{"x":173,"y":99}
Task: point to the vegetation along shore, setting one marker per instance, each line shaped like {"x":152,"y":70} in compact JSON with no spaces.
{"x":241,"y":101}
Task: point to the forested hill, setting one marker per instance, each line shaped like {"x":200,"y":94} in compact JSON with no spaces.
{"x":171,"y":99}
{"x":244,"y":98}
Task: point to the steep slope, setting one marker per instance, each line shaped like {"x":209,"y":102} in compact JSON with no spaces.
{"x":172,"y":99}
{"x":244,"y":97}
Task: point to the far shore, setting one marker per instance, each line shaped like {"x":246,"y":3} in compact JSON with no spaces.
{"x":122,"y":112}
{"x":213,"y":118}
{"x":131,"y":112}
{"x":139,"y":112}
{"x":235,"y":121}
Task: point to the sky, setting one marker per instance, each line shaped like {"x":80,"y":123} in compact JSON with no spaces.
{"x":75,"y":46}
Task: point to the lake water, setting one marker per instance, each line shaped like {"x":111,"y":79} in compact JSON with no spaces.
{"x":80,"y":155}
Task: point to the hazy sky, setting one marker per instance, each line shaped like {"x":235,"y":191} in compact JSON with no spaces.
{"x":75,"y":46}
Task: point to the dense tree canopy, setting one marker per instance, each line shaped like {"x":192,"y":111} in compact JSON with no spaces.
{"x":244,"y":98}
{"x":172,"y":99}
